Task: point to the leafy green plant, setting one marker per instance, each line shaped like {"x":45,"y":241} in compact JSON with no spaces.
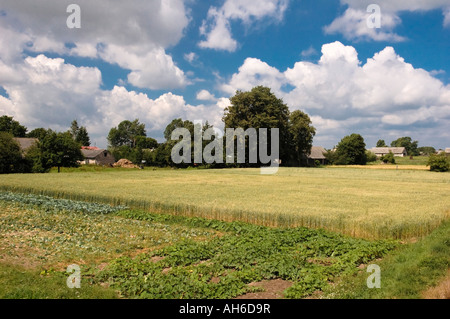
{"x":47,"y":202}
{"x":160,"y":256}
{"x":388,"y":158}
{"x":371,"y":157}
{"x":245,"y":254}
{"x":439,"y":163}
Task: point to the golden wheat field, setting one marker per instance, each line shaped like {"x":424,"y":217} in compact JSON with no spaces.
{"x":369,"y":203}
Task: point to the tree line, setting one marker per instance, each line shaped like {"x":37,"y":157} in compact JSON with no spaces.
{"x":255,"y":109}
{"x":52,"y":149}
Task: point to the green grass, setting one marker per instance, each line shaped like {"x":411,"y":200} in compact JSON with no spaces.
{"x":369,"y":203}
{"x":405,"y":274}
{"x":416,"y":160}
{"x":17,"y":282}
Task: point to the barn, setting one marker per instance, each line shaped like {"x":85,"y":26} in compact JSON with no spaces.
{"x":397,"y":151}
{"x":317,"y":154}
{"x":25,"y":143}
{"x":97,"y":156}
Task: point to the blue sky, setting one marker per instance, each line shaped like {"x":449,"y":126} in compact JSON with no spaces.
{"x":160,"y":60}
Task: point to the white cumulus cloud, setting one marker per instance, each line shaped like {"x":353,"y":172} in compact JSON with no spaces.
{"x":353,"y":23}
{"x":447,"y":17}
{"x":342,"y":93}
{"x":50,"y":93}
{"x":252,"y":73}
{"x":112,"y":30}
{"x":45,"y":91}
{"x":205,"y":95}
{"x":216,"y":27}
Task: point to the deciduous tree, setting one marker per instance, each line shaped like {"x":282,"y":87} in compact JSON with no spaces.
{"x":8,"y":124}
{"x":408,"y":143}
{"x":301,"y":136}
{"x":126,"y":133}
{"x":80,"y":134}
{"x":10,"y":154}
{"x":59,"y":150}
{"x":381,"y":143}
{"x":351,"y":150}
{"x":260,"y":108}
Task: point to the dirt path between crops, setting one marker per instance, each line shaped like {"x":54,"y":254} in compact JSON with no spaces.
{"x":273,"y":289}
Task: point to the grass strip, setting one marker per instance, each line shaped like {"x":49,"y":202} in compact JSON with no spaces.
{"x":405,"y":274}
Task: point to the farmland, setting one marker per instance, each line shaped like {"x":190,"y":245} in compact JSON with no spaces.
{"x":365,"y":203}
{"x":144,"y":255}
{"x":220,"y":234}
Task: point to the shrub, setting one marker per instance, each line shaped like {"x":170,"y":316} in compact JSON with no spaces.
{"x":439,"y":163}
{"x":388,"y":158}
{"x":371,"y":157}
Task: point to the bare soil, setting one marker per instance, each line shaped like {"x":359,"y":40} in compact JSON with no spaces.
{"x":273,"y":289}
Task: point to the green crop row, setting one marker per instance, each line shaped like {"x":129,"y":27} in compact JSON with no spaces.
{"x":50,"y":203}
{"x":222,"y":267}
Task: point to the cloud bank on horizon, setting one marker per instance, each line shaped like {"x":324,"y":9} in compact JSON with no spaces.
{"x":160,"y":60}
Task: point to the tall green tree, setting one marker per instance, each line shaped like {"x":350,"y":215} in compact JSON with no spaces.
{"x":301,"y":136}
{"x":79,"y":134}
{"x":407,"y":142}
{"x":163,"y":152}
{"x":38,"y":133}
{"x":126,"y":133}
{"x":381,"y":143}
{"x":8,"y":124}
{"x":146,"y":142}
{"x":427,"y":150}
{"x":161,"y":156}
{"x":351,"y":150}
{"x":59,"y":150}
{"x":260,"y":108}
{"x":10,"y":154}
{"x":178,"y":123}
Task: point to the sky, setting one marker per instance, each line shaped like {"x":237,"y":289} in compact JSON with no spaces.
{"x":381,"y":71}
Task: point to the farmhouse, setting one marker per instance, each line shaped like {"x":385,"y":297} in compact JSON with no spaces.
{"x":97,"y":156}
{"x":317,"y":154}
{"x":381,"y":151}
{"x":25,"y":143}
{"x":447,"y":151}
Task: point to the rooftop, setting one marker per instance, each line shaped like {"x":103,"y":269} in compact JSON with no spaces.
{"x":91,"y":153}
{"x":25,"y":143}
{"x":386,"y":150}
{"x":317,"y":152}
